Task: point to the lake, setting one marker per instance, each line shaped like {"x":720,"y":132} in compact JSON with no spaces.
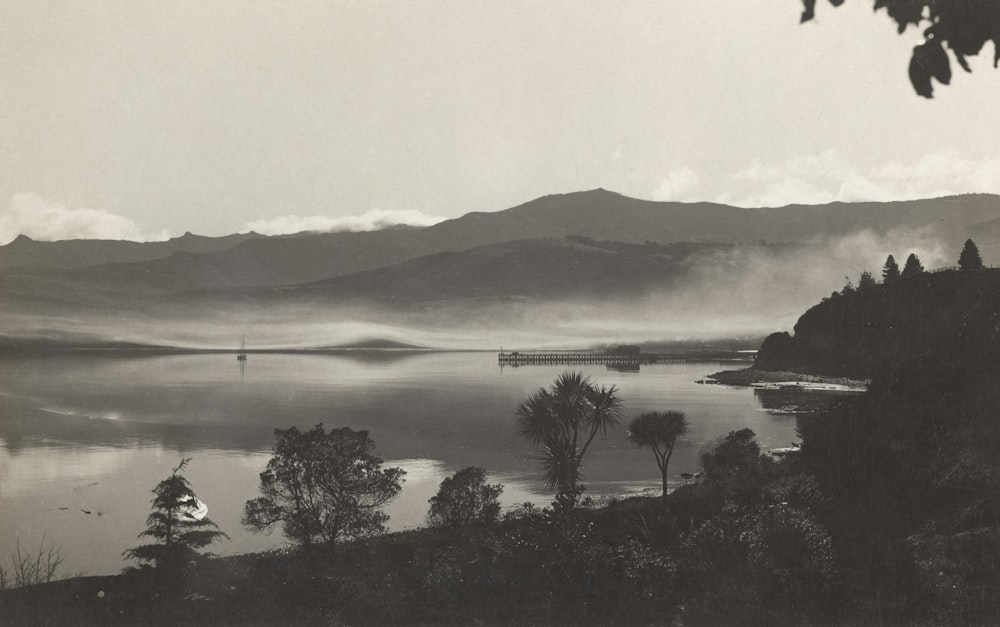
{"x":84,"y":437}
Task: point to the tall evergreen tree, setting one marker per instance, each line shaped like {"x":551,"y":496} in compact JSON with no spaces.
{"x":177,"y":524}
{"x":913,"y":266}
{"x":890,"y":271}
{"x":866,"y":282}
{"x":970,"y":259}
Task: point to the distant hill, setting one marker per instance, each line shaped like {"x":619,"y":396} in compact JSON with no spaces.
{"x":539,"y":269}
{"x":952,"y":315}
{"x":549,"y":250}
{"x":79,"y":253}
{"x":606,"y":215}
{"x":180,"y":265}
{"x":375,"y":344}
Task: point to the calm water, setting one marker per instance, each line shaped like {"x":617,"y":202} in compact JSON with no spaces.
{"x":84,"y":438}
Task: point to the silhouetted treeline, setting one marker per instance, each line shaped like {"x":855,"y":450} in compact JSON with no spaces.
{"x":950,"y":317}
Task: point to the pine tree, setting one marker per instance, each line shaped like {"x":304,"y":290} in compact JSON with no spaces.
{"x":970,"y":259}
{"x":913,"y":266}
{"x":176,"y":530}
{"x":890,"y":272}
{"x":866,"y":282}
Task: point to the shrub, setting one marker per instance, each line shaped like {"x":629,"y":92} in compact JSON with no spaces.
{"x":464,"y":499}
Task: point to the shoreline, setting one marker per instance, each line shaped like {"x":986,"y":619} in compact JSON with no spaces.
{"x":750,"y":377}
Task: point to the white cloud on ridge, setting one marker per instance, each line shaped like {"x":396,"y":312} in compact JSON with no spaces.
{"x":825,"y":177}
{"x":677,"y":185}
{"x":43,"y":220}
{"x":371,"y":220}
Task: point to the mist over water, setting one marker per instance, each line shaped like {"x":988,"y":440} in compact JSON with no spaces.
{"x":733,"y":292}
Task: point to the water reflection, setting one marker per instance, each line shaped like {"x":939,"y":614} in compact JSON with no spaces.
{"x":94,"y":433}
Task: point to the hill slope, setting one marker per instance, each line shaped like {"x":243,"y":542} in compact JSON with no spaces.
{"x":539,"y":269}
{"x":77,"y":253}
{"x":598,"y":214}
{"x":952,"y":315}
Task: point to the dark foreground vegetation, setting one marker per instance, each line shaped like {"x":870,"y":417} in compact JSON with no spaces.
{"x":889,"y":513}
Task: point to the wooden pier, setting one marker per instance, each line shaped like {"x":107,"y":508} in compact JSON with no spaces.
{"x":530,"y":359}
{"x":613,"y":359}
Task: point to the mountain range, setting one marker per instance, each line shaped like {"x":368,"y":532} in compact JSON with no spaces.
{"x":579,"y":247}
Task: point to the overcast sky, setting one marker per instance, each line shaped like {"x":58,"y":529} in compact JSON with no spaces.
{"x":148,"y":119}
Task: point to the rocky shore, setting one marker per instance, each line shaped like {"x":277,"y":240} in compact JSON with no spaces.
{"x":751,"y":377}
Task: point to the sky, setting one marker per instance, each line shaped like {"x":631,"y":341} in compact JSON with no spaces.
{"x":143,"y":120}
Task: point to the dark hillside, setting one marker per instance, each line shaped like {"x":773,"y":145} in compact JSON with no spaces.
{"x":543,"y":269}
{"x":27,"y":252}
{"x":603,"y":214}
{"x":949,"y":317}
{"x":191,"y":262}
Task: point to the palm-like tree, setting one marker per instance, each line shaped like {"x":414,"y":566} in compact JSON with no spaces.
{"x":563,"y":420}
{"x":658,"y":431}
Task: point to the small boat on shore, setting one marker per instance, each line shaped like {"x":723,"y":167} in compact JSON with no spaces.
{"x":242,"y":355}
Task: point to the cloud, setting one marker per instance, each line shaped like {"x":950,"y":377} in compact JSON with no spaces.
{"x":825,"y":177}
{"x":371,"y":220}
{"x":31,"y":215}
{"x":677,"y":185}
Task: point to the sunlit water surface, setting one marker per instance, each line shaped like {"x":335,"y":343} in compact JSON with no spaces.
{"x":85,"y":437}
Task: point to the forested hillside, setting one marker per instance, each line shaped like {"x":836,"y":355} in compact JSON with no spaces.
{"x":947,"y":316}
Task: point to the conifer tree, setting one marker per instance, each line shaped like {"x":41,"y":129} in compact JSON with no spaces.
{"x":970,"y":259}
{"x":890,"y":272}
{"x":913,"y":266}
{"x":175,"y":525}
{"x":866,"y":282}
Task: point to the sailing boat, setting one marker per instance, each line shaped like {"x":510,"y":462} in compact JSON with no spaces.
{"x":242,"y":355}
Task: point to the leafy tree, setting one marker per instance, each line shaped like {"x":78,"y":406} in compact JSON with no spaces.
{"x":464,"y":499}
{"x":969,"y":259}
{"x":322,"y":487}
{"x":563,"y":420}
{"x":178,"y":530}
{"x":658,"y":431}
{"x":890,"y":271}
{"x":963,"y":25}
{"x":913,"y":266}
{"x":737,"y":453}
{"x":866,"y":282}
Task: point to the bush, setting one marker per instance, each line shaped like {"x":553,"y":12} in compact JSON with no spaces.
{"x":464,"y":499}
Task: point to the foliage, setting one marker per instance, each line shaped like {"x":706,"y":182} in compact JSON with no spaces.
{"x":564,"y":420}
{"x":754,"y":565}
{"x":964,"y":26}
{"x":890,"y":271}
{"x":866,"y":282}
{"x":28,"y":568}
{"x":736,"y":453}
{"x":943,"y":316}
{"x":969,"y":259}
{"x":465,"y":499}
{"x":913,"y":266}
{"x":322,"y":487}
{"x":176,"y":532}
{"x":658,"y":431}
